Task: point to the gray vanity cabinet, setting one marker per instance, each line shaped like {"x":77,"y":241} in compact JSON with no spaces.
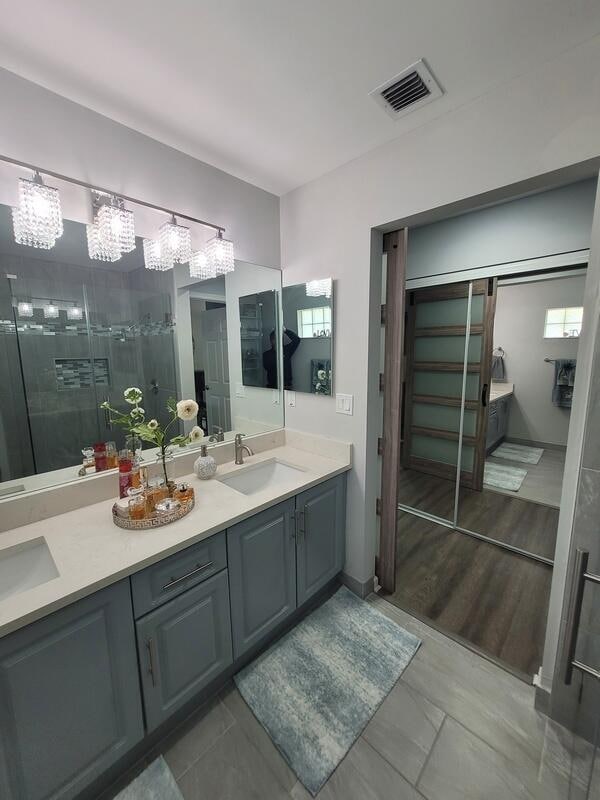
{"x":183,"y":646}
{"x":262,"y":574}
{"x":320,"y":515}
{"x":69,"y":697}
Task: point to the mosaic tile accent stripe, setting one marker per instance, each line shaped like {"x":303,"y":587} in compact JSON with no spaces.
{"x":77,"y":373}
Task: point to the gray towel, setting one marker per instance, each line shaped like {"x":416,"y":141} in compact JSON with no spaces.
{"x":564,"y":380}
{"x":498,"y":373}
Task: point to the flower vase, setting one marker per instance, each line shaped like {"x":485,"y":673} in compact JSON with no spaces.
{"x":166,"y":459}
{"x":134,"y":445}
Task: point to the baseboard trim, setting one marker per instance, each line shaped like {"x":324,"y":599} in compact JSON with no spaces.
{"x":361,"y":588}
{"x":541,"y":700}
{"x":534,"y":443}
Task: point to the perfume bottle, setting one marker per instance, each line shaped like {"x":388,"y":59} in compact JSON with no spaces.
{"x":137,"y":502}
{"x":112,"y":457}
{"x":205,"y":466}
{"x":184,"y":493}
{"x":124,"y":476}
{"x":100,"y":456}
{"x":157,"y":492}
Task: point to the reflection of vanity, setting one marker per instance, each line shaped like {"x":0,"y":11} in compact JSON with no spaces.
{"x":499,"y":409}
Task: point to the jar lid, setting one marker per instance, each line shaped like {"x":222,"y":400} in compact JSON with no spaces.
{"x":135,"y":491}
{"x":167,"y":506}
{"x":183,"y":487}
{"x":100,"y":447}
{"x":156,"y":482}
{"x":125,"y":465}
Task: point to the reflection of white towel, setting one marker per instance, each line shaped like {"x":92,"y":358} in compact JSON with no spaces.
{"x":498,"y":373}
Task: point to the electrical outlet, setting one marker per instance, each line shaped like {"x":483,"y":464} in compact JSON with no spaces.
{"x":290,"y":399}
{"x":344,"y":404}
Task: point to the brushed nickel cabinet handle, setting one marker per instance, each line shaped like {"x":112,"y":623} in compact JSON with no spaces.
{"x":150,"y":661}
{"x":175,"y":581}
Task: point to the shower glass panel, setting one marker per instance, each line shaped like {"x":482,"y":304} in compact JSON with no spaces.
{"x":435,"y":341}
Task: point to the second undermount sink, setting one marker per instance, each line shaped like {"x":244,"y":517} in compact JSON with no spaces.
{"x":24,"y":566}
{"x":269,"y":474}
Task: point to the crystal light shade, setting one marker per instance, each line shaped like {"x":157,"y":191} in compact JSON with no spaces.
{"x":99,"y":249}
{"x":199,"y":266}
{"x":37,"y":220}
{"x":153,"y":256}
{"x":219,"y":254}
{"x":25,"y":309}
{"x":74,"y":313}
{"x":175,"y":242}
{"x":51,"y":311}
{"x":320,"y":288}
{"x":116,"y":228}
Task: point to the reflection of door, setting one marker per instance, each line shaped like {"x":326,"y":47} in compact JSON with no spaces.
{"x":216,"y":368}
{"x":439,"y":372}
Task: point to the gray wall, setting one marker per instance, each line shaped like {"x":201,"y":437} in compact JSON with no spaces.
{"x":519,"y":330}
{"x":557,"y":221}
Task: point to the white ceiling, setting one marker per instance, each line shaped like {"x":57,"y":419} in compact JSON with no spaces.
{"x":276,"y":91}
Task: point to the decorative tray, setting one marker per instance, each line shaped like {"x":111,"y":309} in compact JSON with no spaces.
{"x":155,"y":521}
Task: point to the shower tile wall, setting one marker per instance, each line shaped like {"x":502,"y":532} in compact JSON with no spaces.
{"x":127,"y":330}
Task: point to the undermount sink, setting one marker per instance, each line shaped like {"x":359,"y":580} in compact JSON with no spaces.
{"x":265,"y":475}
{"x":24,"y":566}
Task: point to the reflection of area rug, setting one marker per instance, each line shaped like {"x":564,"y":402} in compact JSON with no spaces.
{"x":503,"y":476}
{"x":518,"y":452}
{"x":316,"y":689}
{"x":155,"y":783}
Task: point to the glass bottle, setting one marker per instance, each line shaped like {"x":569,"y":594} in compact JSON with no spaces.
{"x":134,"y":445}
{"x":100,"y":456}
{"x":124,"y":476}
{"x":112,"y":457}
{"x":137,"y":502}
{"x":157,"y":491}
{"x":184,"y":493}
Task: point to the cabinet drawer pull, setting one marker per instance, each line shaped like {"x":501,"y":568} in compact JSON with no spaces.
{"x":150,"y":661}
{"x":175,"y":581}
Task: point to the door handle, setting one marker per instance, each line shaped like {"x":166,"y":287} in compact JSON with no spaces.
{"x":176,"y":581}
{"x":484,"y":395}
{"x":300,"y":524}
{"x":580,"y":576}
{"x":150,"y":661}
{"x":107,"y":417}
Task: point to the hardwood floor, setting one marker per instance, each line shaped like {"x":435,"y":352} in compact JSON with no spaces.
{"x":521,"y":523}
{"x":492,"y":598}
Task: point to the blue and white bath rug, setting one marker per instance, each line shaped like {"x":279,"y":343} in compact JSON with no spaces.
{"x":315,"y":690}
{"x":156,"y":782}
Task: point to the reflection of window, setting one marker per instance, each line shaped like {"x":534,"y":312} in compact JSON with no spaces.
{"x":314,"y":322}
{"x":563,"y":323}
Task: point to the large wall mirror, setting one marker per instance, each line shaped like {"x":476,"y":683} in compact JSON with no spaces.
{"x":307,"y":337}
{"x":75,"y":332}
{"x":259,"y":352}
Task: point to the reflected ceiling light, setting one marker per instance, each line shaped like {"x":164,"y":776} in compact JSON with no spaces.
{"x":51,"y":311}
{"x":200,"y":268}
{"x":219,"y":254}
{"x":74,"y":313}
{"x":116,"y":227}
{"x":153,"y":256}
{"x":175,"y":242}
{"x":37,"y":220}
{"x":97,"y":248}
{"x":25,"y":309}
{"x":320,"y":288}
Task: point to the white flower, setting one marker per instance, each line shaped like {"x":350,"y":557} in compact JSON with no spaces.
{"x":318,"y":386}
{"x":321,"y":374}
{"x":137,"y":413}
{"x":196,"y":434}
{"x":187,"y":409}
{"x":153,"y":424}
{"x":132,"y":395}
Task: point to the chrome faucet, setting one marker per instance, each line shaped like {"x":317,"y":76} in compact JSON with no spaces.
{"x":218,"y":434}
{"x":239,"y":449}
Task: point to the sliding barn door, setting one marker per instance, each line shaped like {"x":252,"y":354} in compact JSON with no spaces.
{"x":449,"y":333}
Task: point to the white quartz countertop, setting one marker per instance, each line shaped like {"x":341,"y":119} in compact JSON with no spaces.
{"x":498,"y":390}
{"x":90,"y":552}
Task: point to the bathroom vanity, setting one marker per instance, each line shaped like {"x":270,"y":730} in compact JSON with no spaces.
{"x":134,"y":627}
{"x":498,"y":413}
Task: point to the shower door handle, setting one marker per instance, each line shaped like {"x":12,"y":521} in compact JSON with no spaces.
{"x":484,"y":395}
{"x":107,"y":417}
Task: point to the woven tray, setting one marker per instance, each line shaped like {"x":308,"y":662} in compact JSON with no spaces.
{"x":155,"y":521}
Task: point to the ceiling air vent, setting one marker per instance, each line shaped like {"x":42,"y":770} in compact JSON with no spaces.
{"x":412,"y":88}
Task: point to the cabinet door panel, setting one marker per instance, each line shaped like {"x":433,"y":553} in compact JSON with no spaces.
{"x":262,"y":574}
{"x":183,"y":646}
{"x":321,"y":535}
{"x":69,"y":696}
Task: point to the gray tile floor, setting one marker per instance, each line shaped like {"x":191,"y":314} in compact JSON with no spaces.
{"x":543,"y":482}
{"x":454,"y":727}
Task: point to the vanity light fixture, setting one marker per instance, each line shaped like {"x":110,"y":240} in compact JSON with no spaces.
{"x":25,"y":309}
{"x":99,"y":249}
{"x":37,"y":220}
{"x":200,"y":268}
{"x":175,"y":242}
{"x":319,"y":288}
{"x":219,"y":254}
{"x":116,"y":227}
{"x":74,"y":313}
{"x":153,"y":258}
{"x":51,"y":311}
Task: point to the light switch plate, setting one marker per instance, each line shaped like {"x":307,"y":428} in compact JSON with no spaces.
{"x":240,"y":390}
{"x":344,"y":404}
{"x":275,"y":397}
{"x":290,"y":399}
